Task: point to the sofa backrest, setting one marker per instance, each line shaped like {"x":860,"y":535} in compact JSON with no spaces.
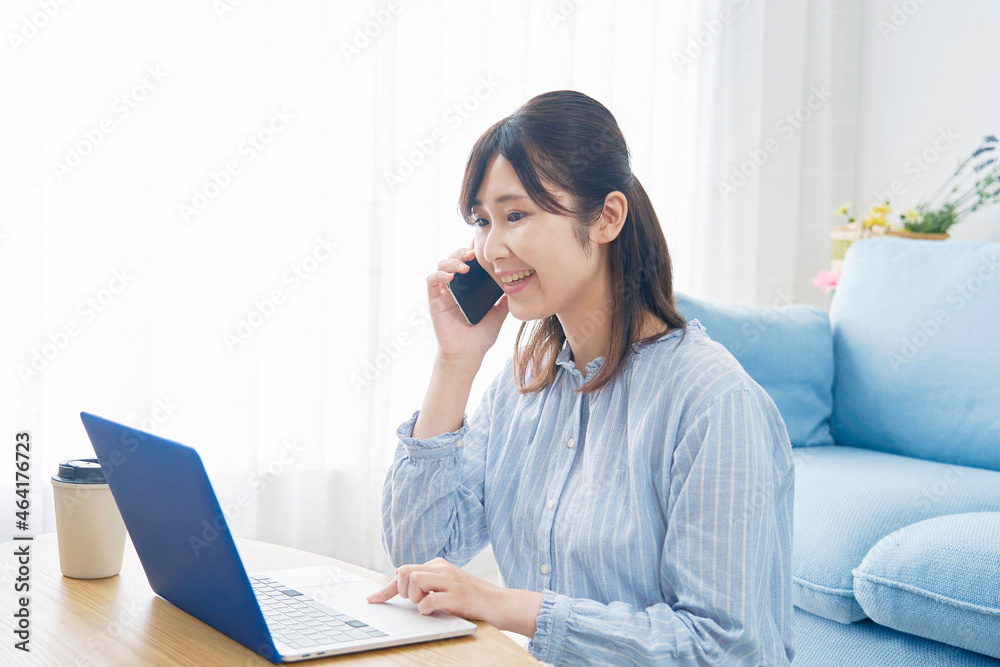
{"x":787,"y":350}
{"x":916,"y":334}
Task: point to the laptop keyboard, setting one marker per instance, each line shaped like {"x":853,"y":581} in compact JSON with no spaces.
{"x":299,"y":624}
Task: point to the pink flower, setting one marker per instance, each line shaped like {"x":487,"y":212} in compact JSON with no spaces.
{"x":826,"y":280}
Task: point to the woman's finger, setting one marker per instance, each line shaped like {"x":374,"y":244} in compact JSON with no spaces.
{"x":423,"y":582}
{"x":432,"y":602}
{"x":439,"y":277}
{"x":385,"y":593}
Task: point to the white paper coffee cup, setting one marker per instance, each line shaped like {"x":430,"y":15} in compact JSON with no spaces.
{"x":89,"y":527}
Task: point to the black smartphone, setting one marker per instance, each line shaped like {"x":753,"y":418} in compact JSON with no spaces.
{"x":474,"y":291}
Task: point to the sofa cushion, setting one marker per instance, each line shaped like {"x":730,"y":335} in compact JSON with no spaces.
{"x":847,"y":499}
{"x":820,"y":642}
{"x":939,"y":579}
{"x":915,"y":330}
{"x":787,"y":350}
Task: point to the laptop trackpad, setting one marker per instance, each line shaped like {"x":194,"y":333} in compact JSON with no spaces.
{"x":346,"y":593}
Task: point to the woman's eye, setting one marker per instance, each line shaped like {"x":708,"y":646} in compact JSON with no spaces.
{"x":513,"y":216}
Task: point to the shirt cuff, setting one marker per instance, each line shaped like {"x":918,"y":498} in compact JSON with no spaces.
{"x":438,"y":447}
{"x":550,"y":628}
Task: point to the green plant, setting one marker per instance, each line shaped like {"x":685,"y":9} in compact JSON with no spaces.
{"x":963,"y":197}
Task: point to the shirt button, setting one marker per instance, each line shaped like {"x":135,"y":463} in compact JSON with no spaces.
{"x":545,"y":569}
{"x":552,"y":504}
{"x":571,"y":443}
{"x":459,"y":443}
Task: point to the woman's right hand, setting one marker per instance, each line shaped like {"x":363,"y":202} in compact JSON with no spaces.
{"x":458,"y":341}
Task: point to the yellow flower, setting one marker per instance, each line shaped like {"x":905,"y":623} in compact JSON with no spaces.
{"x":912,"y":215}
{"x":881,"y":210}
{"x":872,"y":220}
{"x":843,"y":209}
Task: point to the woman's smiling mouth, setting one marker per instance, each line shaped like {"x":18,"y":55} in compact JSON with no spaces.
{"x":516,"y":282}
{"x":514,"y":278}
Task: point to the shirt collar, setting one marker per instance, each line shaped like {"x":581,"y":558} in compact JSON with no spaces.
{"x":563,"y":358}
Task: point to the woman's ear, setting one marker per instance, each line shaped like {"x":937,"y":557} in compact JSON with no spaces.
{"x":612,"y":218}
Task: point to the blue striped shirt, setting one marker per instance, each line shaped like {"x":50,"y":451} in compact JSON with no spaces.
{"x":655,"y":516}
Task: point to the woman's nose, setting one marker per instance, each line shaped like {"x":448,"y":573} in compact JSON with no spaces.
{"x":494,"y":245}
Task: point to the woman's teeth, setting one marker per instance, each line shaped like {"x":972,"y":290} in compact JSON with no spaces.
{"x":517,"y":277}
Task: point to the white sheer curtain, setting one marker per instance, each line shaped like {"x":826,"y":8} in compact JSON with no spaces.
{"x":216,"y":218}
{"x":765,"y":145}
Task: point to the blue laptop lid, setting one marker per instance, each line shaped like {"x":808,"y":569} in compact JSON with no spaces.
{"x":179,"y":531}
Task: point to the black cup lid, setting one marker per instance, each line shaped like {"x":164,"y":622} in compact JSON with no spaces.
{"x":80,"y":471}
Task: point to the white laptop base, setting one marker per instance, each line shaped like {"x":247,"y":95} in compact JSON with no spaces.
{"x":319,"y":611}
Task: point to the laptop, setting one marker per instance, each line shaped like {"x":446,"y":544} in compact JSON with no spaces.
{"x":180,"y":534}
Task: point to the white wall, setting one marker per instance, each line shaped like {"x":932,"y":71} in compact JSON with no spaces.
{"x":928,"y":70}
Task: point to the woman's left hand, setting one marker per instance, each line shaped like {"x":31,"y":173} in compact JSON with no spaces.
{"x":439,"y":585}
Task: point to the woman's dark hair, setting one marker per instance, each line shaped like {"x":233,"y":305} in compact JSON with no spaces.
{"x":574,"y":143}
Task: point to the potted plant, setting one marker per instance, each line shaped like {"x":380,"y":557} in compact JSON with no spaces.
{"x":874,"y":224}
{"x":974,"y":184}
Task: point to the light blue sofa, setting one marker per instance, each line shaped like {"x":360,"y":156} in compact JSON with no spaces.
{"x":892,"y":403}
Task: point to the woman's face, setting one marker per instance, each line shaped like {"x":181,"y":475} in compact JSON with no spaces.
{"x":514,"y":234}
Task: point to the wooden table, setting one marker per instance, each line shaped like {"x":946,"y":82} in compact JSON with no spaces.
{"x":120,"y":621}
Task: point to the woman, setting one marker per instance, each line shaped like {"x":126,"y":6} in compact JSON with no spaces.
{"x":635,"y":483}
